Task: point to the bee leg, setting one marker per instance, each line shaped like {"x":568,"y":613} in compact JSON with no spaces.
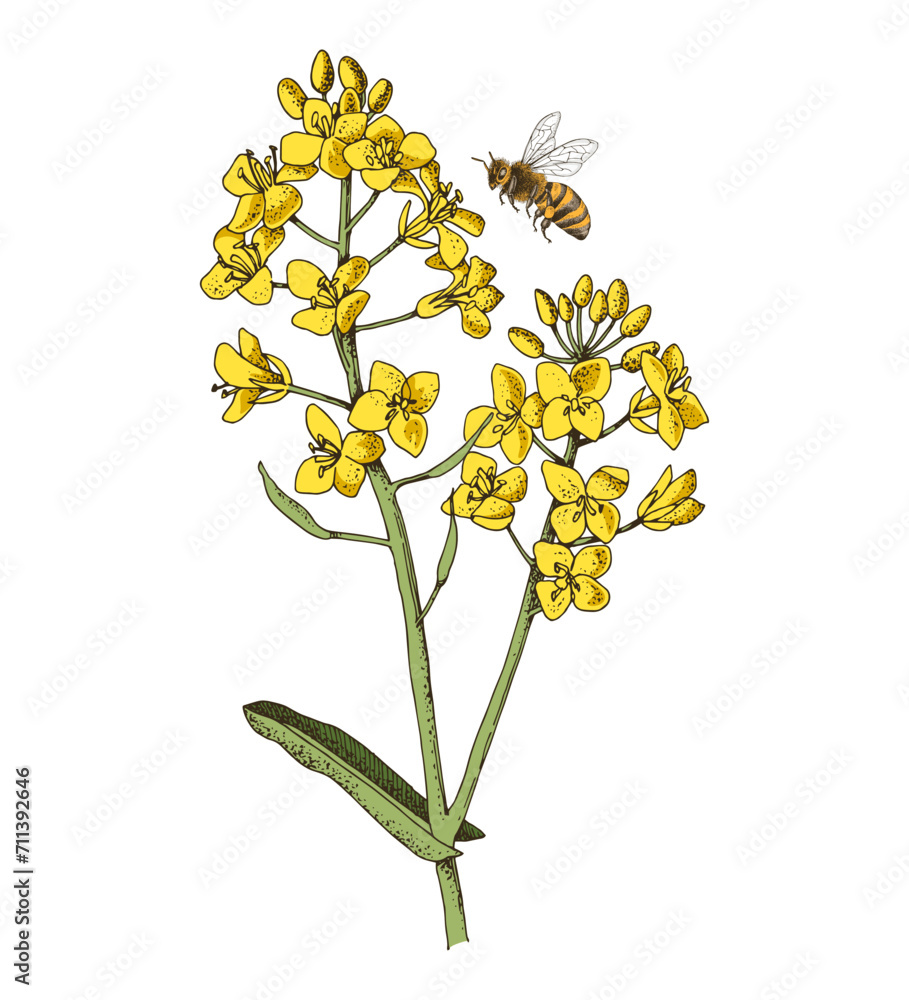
{"x":533,"y":195}
{"x":501,"y":195}
{"x":544,"y":225}
{"x":512,"y":184}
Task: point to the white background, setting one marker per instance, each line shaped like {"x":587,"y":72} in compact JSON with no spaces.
{"x":802,"y":470}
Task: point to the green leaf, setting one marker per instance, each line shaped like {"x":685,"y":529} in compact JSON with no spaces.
{"x":451,"y":545}
{"x":290,"y":508}
{"x":383,"y":793}
{"x":447,"y":464}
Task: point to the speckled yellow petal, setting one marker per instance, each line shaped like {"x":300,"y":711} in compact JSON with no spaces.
{"x":465,"y":502}
{"x":331,"y":159}
{"x":423,"y":388}
{"x":315,"y":475}
{"x":386,"y":378}
{"x":564,"y":483}
{"x":248,"y":213}
{"x":371,"y":412}
{"x":532,"y":410}
{"x":516,"y":442}
{"x":237,"y":370}
{"x":603,"y":521}
{"x":678,"y":489}
{"x":408,"y":433}
{"x":317,"y":119}
{"x":511,"y":485}
{"x":607,"y":483}
{"x":218,"y":283}
{"x":673,"y":358}
{"x":267,"y":241}
{"x":362,"y":447}
{"x":470,"y":222}
{"x":508,"y":389}
{"x":588,"y":421}
{"x":494,"y":514}
{"x":406,"y":183}
{"x":318,"y":320}
{"x":655,"y":374}
{"x":349,"y":476}
{"x":258,"y":289}
{"x":556,"y":419}
{"x":281,"y":202}
{"x":568,"y":521}
{"x":349,"y":308}
{"x":295,"y":172}
{"x":691,"y":411}
{"x":385,"y":127}
{"x":415,"y":150}
{"x":669,"y":424}
{"x":592,"y":560}
{"x":352,"y":272}
{"x":590,"y":595}
{"x":552,"y":560}
{"x":474,"y":322}
{"x":553,"y":381}
{"x":592,"y":378}
{"x":238,"y":177}
{"x":554,"y":600}
{"x":322,"y":427}
{"x":363,"y":154}
{"x":451,"y":246}
{"x":350,"y":127}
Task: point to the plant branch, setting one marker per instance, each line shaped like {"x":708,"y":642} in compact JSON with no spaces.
{"x":311,"y":232}
{"x":447,"y":464}
{"x":391,"y":246}
{"x":374,"y":197}
{"x":606,"y":431}
{"x":545,"y":450}
{"x":387,"y":322}
{"x":528,"y":559}
{"x":299,"y":391}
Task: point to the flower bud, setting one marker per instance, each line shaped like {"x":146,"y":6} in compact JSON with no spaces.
{"x":598,"y":310}
{"x":546,"y":309}
{"x":348,"y":102}
{"x":529,"y":344}
{"x":631,"y":359}
{"x":583,"y":290}
{"x":635,"y":321}
{"x":617,"y":299}
{"x":323,"y":73}
{"x":351,"y":74}
{"x":566,"y":309}
{"x":291,"y":96}
{"x":380,"y":95}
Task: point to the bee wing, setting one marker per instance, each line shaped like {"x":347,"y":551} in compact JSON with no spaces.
{"x":565,"y":160}
{"x":542,"y":138}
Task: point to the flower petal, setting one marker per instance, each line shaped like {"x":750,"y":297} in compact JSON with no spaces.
{"x":303,"y":278}
{"x":352,"y":272}
{"x":590,"y":595}
{"x":491,"y":433}
{"x":592,"y":560}
{"x":564,"y":483}
{"x":349,"y":127}
{"x":295,"y":172}
{"x":380,"y":180}
{"x":556,"y":419}
{"x":554,"y":381}
{"x":219,"y":282}
{"x":349,"y":308}
{"x":474,"y":464}
{"x":511,"y":485}
{"x":508,"y":389}
{"x":554,"y":600}
{"x":423,"y":388}
{"x":315,"y":475}
{"x":465,"y":502}
{"x":385,"y":127}
{"x":532,"y":410}
{"x":516,"y":442}
{"x":281,"y":202}
{"x":691,"y":411}
{"x":318,"y":320}
{"x":408,"y":433}
{"x":267,"y":241}
{"x":470,"y":222}
{"x":241,"y":403}
{"x":386,"y":378}
{"x":249,"y":211}
{"x":237,"y":178}
{"x":258,"y":289}
{"x":607,"y":483}
{"x":568,"y":521}
{"x":655,"y":374}
{"x":415,"y":150}
{"x":332,"y":161}
{"x":371,"y":412}
{"x":588,"y":421}
{"x":451,"y":246}
{"x":362,"y":447}
{"x":301,"y":149}
{"x":592,"y":378}
{"x":604,"y":521}
{"x":473,"y":321}
{"x":494,"y":514}
{"x":349,"y":476}
{"x":669,"y":424}
{"x":322,"y":427}
{"x":552,"y":560}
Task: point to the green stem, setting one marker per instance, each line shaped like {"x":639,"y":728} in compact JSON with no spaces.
{"x":528,"y":559}
{"x":298,"y":390}
{"x":279,"y":284}
{"x":568,"y":350}
{"x":606,"y":430}
{"x":590,"y":348}
{"x":374,"y":197}
{"x":311,"y":232}
{"x":447,"y":464}
{"x":388,"y":322}
{"x":381,"y":256}
{"x":452,"y":901}
{"x":487,"y":730}
{"x":545,"y":450}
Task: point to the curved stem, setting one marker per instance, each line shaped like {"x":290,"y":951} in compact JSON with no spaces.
{"x":311,"y":232}
{"x":300,"y":391}
{"x":372,"y":200}
{"x":589,"y":348}
{"x":388,"y":322}
{"x":607,"y":430}
{"x":381,"y":256}
{"x":568,"y":350}
{"x":528,"y":559}
{"x":551,"y":454}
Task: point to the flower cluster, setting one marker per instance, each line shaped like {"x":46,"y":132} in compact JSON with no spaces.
{"x":571,"y":393}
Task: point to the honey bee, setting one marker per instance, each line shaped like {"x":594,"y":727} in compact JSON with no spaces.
{"x":527,"y":180}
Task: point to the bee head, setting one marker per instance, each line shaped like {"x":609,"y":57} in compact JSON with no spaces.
{"x":498,"y":171}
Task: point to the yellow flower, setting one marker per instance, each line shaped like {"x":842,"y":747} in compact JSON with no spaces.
{"x":329,"y":129}
{"x":438,"y":213}
{"x":677,"y":407}
{"x":571,"y":400}
{"x":385,"y":151}
{"x":631,"y":359}
{"x":333,"y":301}
{"x":575,"y":578}
{"x":469,"y":290}
{"x":251,"y":375}
{"x":670,"y":501}
{"x":487,"y":498}
{"x":513,"y":416}
{"x":529,"y":344}
{"x":335,"y":462}
{"x":241,"y":265}
{"x":397,"y":404}
{"x":580,"y":508}
{"x":264,"y":194}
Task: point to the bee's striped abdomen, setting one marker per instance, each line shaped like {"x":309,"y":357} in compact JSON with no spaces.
{"x":565,"y":208}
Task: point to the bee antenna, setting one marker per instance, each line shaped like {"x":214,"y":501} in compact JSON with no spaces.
{"x":479,"y":161}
